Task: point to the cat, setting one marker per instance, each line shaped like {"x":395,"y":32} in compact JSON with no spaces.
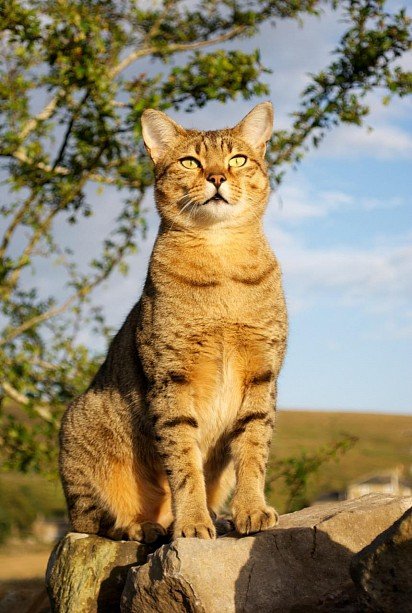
{"x":182,"y":410}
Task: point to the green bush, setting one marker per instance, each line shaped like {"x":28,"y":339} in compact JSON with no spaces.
{"x":24,"y":498}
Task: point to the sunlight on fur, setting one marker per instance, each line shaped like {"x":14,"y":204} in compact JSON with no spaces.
{"x":180,"y":416}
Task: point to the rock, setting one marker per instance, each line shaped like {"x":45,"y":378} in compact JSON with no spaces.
{"x":383,"y":569}
{"x":86,"y":573}
{"x":301,"y":565}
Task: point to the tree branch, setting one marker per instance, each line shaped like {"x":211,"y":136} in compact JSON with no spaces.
{"x":177,"y":47}
{"x":21,"y":156}
{"x":15,"y":395}
{"x":20,"y":398}
{"x":69,"y":129}
{"x":127,"y":61}
{"x":34,"y":321}
{"x":45,"y":114}
{"x":42,"y":228}
{"x":58,"y":310}
{"x":14,"y":223}
{"x":11,"y":282}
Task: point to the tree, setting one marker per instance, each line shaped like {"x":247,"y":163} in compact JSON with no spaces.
{"x":82,"y":58}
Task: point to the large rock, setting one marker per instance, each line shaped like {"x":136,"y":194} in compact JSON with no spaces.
{"x":383,"y":569}
{"x":301,"y":565}
{"x":86,"y":573}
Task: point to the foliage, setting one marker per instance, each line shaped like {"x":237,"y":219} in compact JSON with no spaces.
{"x":87,"y":62}
{"x":296,"y":470}
{"x":23,"y":499}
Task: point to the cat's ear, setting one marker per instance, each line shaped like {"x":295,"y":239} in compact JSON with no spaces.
{"x":256,"y":128}
{"x":159,"y":133}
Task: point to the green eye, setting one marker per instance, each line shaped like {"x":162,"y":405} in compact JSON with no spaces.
{"x":190,"y":163}
{"x":237,"y":161}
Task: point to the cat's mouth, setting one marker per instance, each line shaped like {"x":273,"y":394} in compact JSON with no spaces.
{"x":216,"y":199}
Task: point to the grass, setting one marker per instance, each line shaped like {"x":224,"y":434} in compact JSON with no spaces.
{"x":384,"y":442}
{"x":23,"y":498}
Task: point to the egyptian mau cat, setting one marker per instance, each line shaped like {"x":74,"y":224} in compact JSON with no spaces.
{"x":182,"y":410}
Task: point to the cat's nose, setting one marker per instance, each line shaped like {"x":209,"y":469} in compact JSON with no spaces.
{"x":216,"y":179}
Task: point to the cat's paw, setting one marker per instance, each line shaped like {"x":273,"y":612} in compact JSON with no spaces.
{"x":146,"y":532}
{"x":195,"y":529}
{"x":248,"y":521}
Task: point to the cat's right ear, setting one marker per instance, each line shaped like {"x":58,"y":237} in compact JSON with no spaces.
{"x":159,"y":133}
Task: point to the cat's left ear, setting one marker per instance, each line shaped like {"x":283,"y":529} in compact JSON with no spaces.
{"x":256,"y":128}
{"x":159,"y":133}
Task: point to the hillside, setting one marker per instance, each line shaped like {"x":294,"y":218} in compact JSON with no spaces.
{"x":384,"y":442}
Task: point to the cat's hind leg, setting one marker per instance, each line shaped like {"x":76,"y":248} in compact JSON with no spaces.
{"x":145,"y":532}
{"x":136,"y":502}
{"x":85,"y":513}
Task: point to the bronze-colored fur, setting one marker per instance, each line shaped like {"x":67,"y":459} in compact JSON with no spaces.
{"x":183,"y":407}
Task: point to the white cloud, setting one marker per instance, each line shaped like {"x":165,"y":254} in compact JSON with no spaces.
{"x":382,"y":142}
{"x":376,"y":280}
{"x":295,"y":203}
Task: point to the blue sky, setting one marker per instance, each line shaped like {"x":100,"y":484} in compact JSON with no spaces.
{"x":341,"y":226}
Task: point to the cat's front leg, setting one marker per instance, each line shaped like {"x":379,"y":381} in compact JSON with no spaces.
{"x":177,"y":432}
{"x":250,"y":442}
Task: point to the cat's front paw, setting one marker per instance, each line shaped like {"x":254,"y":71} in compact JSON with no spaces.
{"x":248,"y":521}
{"x":203,"y":529}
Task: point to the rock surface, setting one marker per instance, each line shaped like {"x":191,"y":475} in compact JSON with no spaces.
{"x":301,"y":565}
{"x":86,"y":573}
{"x":383,"y":569}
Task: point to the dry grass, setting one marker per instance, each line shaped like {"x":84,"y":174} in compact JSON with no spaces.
{"x":384,"y":442}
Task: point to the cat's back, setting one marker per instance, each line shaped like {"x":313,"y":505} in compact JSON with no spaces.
{"x":117,"y":387}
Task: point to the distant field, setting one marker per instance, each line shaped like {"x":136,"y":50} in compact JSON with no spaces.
{"x":385,"y":441}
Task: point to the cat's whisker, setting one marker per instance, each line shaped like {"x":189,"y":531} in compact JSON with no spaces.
{"x":181,"y":211}
{"x":255,"y":215}
{"x":205,"y":303}
{"x":192,"y":210}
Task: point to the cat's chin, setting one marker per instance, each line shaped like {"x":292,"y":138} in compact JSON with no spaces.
{"x":214,"y":211}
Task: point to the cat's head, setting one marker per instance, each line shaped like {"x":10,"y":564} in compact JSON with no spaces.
{"x":204,"y":178}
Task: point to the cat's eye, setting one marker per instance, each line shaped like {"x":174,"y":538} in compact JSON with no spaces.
{"x":237,"y":161}
{"x":190,"y":163}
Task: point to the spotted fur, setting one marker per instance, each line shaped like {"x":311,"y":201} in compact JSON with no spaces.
{"x":182,"y":410}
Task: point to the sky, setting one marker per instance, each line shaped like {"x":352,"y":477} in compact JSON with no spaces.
{"x":340,"y":225}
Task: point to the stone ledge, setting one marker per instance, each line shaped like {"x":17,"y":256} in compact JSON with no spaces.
{"x":86,"y":573}
{"x":300,"y":566}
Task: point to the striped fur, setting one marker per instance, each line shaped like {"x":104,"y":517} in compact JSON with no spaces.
{"x":182,"y":410}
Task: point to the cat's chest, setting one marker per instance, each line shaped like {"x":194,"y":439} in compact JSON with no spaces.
{"x":218,"y":262}
{"x":218,"y":404}
{"x":215,"y":288}
{"x":220,"y":373}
